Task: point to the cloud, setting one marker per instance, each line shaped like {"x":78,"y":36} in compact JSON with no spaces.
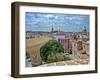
{"x":77,"y":22}
{"x":74,"y":18}
{"x":51,"y":16}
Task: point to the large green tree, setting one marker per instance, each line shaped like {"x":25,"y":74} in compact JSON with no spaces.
{"x":52,"y":51}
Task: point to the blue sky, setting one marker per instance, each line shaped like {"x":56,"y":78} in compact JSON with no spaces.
{"x":64,"y":22}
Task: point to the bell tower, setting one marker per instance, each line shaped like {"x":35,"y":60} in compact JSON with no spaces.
{"x":52,"y":29}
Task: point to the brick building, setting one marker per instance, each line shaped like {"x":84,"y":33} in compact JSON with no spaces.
{"x":66,"y":44}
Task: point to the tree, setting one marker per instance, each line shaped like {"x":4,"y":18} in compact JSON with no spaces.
{"x":52,"y":51}
{"x":51,"y":58}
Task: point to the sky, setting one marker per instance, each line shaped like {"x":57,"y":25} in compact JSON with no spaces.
{"x":63,"y":22}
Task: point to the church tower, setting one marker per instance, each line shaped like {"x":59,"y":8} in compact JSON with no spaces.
{"x":84,"y":30}
{"x":52,"y":29}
